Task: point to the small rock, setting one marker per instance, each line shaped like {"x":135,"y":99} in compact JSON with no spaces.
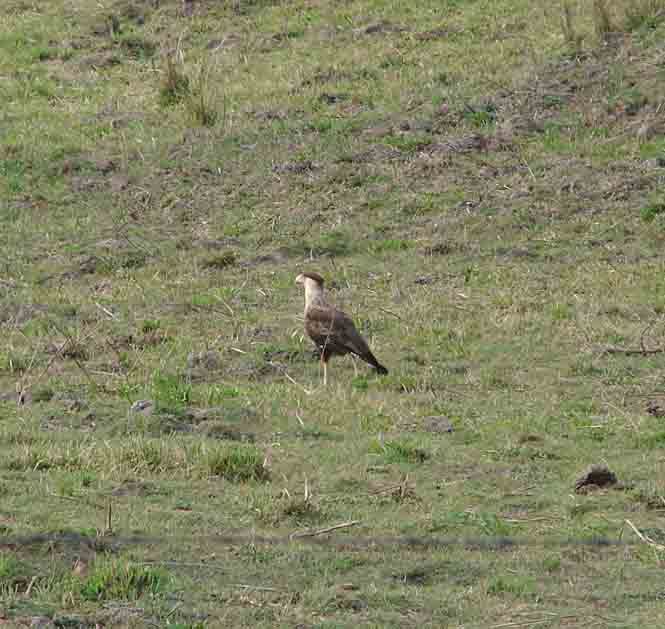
{"x":656,"y":409}
{"x":596,"y":477}
{"x":104,"y":165}
{"x":382,"y":27}
{"x":331,"y":99}
{"x":146,"y":407}
{"x":437,"y":424}
{"x":21,"y":398}
{"x":41,"y":622}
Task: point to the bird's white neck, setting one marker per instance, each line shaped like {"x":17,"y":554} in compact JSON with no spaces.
{"x":313,"y":293}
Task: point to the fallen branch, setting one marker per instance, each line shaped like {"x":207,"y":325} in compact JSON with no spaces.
{"x":390,"y":312}
{"x":292,"y":381}
{"x":613,"y":349}
{"x":183,"y":564}
{"x":28,"y":590}
{"x":260,"y":588}
{"x":645,"y":538}
{"x":344,"y":525}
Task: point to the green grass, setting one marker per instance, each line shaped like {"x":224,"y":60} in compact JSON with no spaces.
{"x":480,"y":184}
{"x":116,"y":580}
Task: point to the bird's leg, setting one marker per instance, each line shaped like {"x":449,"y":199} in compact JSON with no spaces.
{"x":355,"y":367}
{"x":322,"y":365}
{"x":325,"y":373}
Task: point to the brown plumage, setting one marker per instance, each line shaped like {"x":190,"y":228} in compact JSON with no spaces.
{"x":332,"y":330}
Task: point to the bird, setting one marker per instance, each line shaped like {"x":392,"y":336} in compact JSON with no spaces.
{"x":332,"y":330}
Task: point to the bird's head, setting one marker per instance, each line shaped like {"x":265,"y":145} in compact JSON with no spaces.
{"x":313,"y":284}
{"x":311,"y":279}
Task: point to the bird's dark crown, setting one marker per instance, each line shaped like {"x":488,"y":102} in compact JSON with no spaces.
{"x":314,"y":276}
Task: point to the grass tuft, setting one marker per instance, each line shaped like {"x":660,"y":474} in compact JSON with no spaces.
{"x":115,"y":579}
{"x":652,"y":211}
{"x":201,"y":100}
{"x":235,"y":462}
{"x":170,"y":393}
{"x":603,"y":23}
{"x":175,"y":85}
{"x":400,"y":451}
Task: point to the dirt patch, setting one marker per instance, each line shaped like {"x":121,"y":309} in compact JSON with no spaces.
{"x":437,"y":33}
{"x":117,"y":119}
{"x":381,"y":28}
{"x":219,"y":430}
{"x":21,"y":398}
{"x":136,"y":488}
{"x":230,"y":413}
{"x":100,"y":60}
{"x":437,"y":424}
{"x":330,"y":75}
{"x":201,"y":364}
{"x":596,"y":477}
{"x":20,"y":314}
{"x":656,"y":408}
{"x":139,"y":340}
{"x":270,"y":115}
{"x":85,"y":162}
{"x":444,"y":248}
{"x":459,"y":573}
{"x":221,"y":261}
{"x":425,"y":280}
{"x":227,"y":41}
{"x":298,"y":168}
{"x":379,"y":153}
{"x":136,"y":11}
{"x":210,"y":243}
{"x":463,"y":144}
{"x":516,"y":253}
{"x":279,"y":256}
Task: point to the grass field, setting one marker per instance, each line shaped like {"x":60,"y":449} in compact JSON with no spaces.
{"x":481,"y":182}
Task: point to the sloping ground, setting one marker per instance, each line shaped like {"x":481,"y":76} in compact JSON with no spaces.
{"x":486,"y":204}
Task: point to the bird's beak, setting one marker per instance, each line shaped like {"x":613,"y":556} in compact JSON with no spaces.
{"x":300,"y":279}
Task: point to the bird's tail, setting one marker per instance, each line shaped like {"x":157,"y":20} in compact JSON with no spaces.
{"x":371,"y":359}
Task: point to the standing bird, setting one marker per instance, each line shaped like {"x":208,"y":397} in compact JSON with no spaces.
{"x":331,"y":329}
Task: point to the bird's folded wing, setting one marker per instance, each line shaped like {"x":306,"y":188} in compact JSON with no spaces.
{"x":332,"y":326}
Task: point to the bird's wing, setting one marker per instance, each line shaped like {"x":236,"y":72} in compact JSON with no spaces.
{"x":333,"y":328}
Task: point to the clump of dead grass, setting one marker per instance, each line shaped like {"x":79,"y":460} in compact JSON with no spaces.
{"x":602,"y":18}
{"x":201,"y":101}
{"x":175,"y":85}
{"x":194,"y":86}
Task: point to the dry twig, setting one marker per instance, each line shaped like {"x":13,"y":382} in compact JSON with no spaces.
{"x":613,"y":349}
{"x":645,"y":538}
{"x":343,"y":525}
